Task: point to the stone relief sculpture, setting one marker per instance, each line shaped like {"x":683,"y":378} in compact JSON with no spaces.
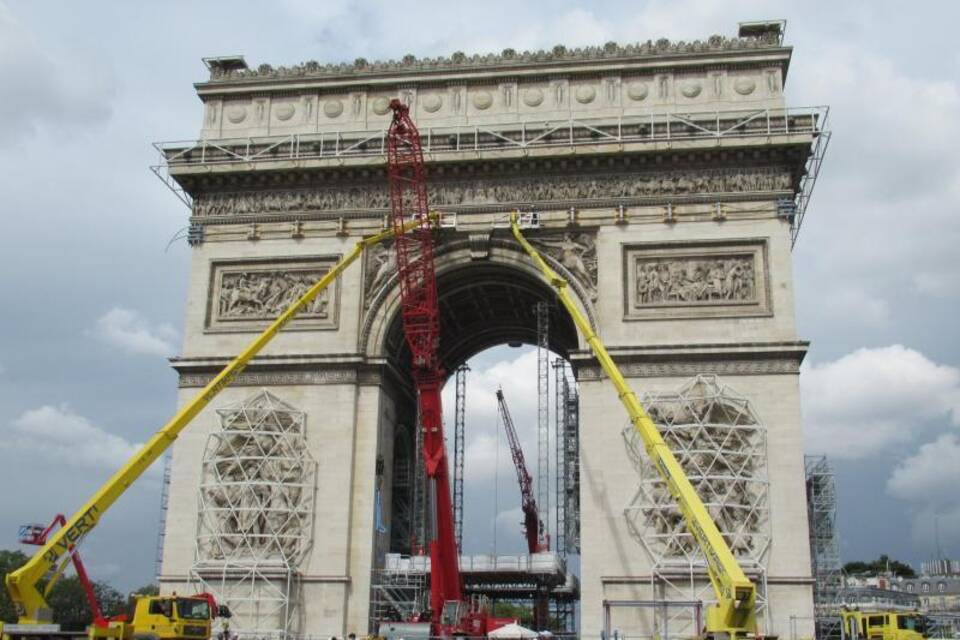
{"x":381,"y":263}
{"x":263,"y":295}
{"x":475,"y":192}
{"x":721,"y":444}
{"x":691,"y":280}
{"x":257,"y":483}
{"x":577,"y":253}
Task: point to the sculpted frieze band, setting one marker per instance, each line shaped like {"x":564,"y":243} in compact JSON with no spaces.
{"x":479,"y":192}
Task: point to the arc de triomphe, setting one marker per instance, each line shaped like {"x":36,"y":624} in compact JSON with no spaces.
{"x":670,"y":180}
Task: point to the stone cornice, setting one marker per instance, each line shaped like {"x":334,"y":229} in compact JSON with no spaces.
{"x":742,"y":358}
{"x":307,"y":369}
{"x":560,"y":61}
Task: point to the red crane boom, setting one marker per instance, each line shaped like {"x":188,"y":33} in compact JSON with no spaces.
{"x":421,"y":325}
{"x":532,"y":524}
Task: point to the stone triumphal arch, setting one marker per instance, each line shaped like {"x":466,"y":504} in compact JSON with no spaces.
{"x":669,"y":180}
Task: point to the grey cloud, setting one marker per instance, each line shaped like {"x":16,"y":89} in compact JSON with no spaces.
{"x":43,"y":88}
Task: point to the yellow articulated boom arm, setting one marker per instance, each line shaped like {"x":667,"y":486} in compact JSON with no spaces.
{"x":734,"y":615}
{"x":30,"y":604}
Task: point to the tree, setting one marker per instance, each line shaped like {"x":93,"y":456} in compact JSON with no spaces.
{"x":71,"y":608}
{"x":9,"y":561}
{"x":152,"y":589}
{"x":510,"y":610}
{"x":883,"y":564}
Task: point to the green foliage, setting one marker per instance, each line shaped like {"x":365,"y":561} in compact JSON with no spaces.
{"x":511,"y":610}
{"x":883,"y":564}
{"x":9,"y":560}
{"x":148,"y":590}
{"x":67,"y":598}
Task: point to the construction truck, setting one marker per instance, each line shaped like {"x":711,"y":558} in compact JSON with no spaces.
{"x":882,"y":624}
{"x":154,"y":617}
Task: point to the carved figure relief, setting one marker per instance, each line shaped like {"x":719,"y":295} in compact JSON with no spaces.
{"x":695,"y":280}
{"x":257,"y":482}
{"x":577,"y":253}
{"x":380,"y":265}
{"x":245,"y":296}
{"x":545,"y":189}
{"x":666,"y":281}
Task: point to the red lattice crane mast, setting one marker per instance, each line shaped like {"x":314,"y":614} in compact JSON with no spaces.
{"x":533,"y":527}
{"x":421,"y":325}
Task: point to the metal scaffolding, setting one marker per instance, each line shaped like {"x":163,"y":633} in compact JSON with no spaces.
{"x":543,"y":414}
{"x":458,"y":446}
{"x":255,"y":520}
{"x":722,"y":446}
{"x":824,"y":544}
{"x":623,"y":133}
{"x":164,"y":505}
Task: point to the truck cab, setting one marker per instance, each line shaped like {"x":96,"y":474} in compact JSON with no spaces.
{"x":882,"y":625}
{"x":170,"y":617}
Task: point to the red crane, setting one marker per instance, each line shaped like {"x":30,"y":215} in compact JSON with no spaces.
{"x":532,"y":524}
{"x":421,"y":325}
{"x":37,"y":534}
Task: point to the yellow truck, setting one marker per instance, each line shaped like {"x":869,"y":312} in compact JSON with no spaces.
{"x":865,"y":624}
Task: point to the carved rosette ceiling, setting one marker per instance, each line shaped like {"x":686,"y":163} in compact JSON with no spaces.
{"x":248,"y":295}
{"x":695,"y":280}
{"x":576,"y":253}
{"x":574,"y":188}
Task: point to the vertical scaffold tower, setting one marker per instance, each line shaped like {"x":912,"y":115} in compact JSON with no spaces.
{"x":543,"y":414}
{"x":824,"y":544}
{"x":458,"y":446}
{"x":255,"y":519}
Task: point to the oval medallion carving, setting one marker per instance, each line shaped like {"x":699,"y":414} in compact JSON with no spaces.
{"x":533,"y":97}
{"x":691,"y":89}
{"x":236,"y":114}
{"x":585,"y":94}
{"x":333,"y":108}
{"x":432,"y":103}
{"x":482,"y":100}
{"x":637,"y":91}
{"x":285,"y":111}
{"x":380,"y":106}
{"x":744,"y":86}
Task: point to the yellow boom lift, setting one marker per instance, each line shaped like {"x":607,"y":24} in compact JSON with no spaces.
{"x":157,"y":617}
{"x":734,"y":615}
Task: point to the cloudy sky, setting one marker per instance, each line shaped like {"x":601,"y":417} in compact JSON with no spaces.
{"x":93,"y":296}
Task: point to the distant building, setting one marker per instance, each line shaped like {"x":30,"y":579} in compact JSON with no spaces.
{"x":942,"y":567}
{"x":936,"y":592}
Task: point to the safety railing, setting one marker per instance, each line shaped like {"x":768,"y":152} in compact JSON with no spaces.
{"x":571,"y":133}
{"x":522,"y":135}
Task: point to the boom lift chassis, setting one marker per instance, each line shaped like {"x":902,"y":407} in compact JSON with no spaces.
{"x":59,"y":546}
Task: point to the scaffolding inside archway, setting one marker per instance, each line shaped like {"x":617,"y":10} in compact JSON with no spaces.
{"x":255,"y":518}
{"x":722,"y":446}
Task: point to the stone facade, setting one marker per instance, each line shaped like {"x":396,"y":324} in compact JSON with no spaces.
{"x":673,"y":238}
